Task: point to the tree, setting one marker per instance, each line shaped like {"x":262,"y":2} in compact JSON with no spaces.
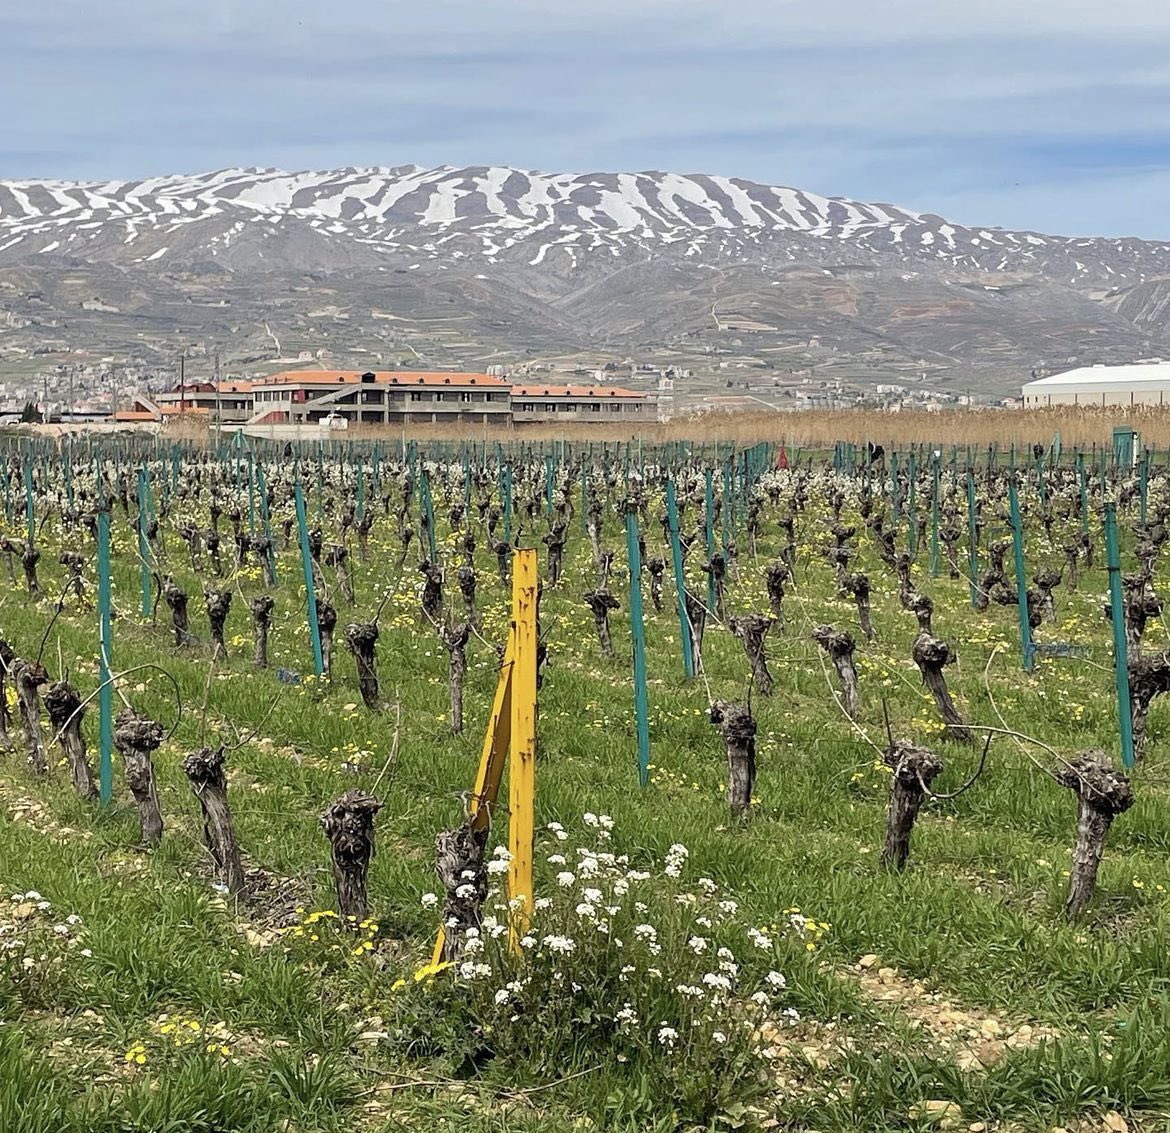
{"x":30,"y":415}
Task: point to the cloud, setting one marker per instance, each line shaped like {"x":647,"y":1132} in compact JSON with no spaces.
{"x":1049,"y":114}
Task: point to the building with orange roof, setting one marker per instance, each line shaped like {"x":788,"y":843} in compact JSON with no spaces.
{"x":386,"y":397}
{"x":229,"y":402}
{"x":545,"y":403}
{"x":391,"y":398}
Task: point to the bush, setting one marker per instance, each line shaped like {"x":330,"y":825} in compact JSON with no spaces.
{"x":634,"y":967}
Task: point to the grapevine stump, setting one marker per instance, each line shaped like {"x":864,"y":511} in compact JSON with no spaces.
{"x":349,"y":825}
{"x":204,"y":769}
{"x":1102,"y":794}
{"x":136,"y":738}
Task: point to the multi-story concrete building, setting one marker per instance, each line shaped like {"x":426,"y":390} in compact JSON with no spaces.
{"x":383,"y":398}
{"x":610,"y":404}
{"x":229,"y":402}
{"x":390,"y":398}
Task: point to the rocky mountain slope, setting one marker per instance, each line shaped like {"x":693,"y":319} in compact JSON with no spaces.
{"x":457,"y":265}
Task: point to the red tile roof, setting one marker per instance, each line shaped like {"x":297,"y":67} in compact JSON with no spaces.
{"x":573,"y":391}
{"x":382,"y":377}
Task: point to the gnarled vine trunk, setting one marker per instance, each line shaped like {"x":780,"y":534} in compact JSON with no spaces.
{"x":205,"y":772}
{"x":1102,"y":794}
{"x":136,"y":738}
{"x":738,"y":731}
{"x":64,"y":707}
{"x":914,"y":769}
{"x":349,"y":825}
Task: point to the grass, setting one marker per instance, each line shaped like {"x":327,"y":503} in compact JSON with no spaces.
{"x":321,"y":1040}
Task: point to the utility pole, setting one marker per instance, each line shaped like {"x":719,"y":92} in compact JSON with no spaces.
{"x":218,"y":414}
{"x":182,"y":374}
{"x":45,"y":396}
{"x":72,"y":403}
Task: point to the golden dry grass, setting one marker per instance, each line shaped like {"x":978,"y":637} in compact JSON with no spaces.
{"x":1078,"y":427}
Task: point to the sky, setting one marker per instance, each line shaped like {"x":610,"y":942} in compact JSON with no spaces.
{"x":1050,"y":115}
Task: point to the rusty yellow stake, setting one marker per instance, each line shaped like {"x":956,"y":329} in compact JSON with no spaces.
{"x":513,"y":715}
{"x":522,"y":757}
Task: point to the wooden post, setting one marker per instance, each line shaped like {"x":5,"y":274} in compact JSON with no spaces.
{"x":895,"y":496}
{"x":972,"y":540}
{"x":679,"y":580}
{"x":710,"y":532}
{"x":1120,"y":658}
{"x":1143,"y":486}
{"x":934,"y":481}
{"x":508,"y":504}
{"x":1084,"y":490}
{"x":143,"y":545}
{"x":30,"y":504}
{"x":1021,"y":577}
{"x":641,"y":706}
{"x":106,"y":694}
{"x":307,"y":567}
{"x":911,"y":492}
{"x":425,"y":484}
{"x":320,"y":499}
{"x":266,"y":520}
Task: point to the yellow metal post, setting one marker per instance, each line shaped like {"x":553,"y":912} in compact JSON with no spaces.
{"x":511,"y":739}
{"x":522,"y":759}
{"x":491,"y":761}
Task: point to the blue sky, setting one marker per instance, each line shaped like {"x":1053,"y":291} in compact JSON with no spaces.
{"x":1045,"y":114}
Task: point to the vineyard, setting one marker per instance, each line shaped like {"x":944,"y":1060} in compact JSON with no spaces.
{"x":849,"y":807}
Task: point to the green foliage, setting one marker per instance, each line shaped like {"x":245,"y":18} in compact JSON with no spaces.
{"x":321,"y":1038}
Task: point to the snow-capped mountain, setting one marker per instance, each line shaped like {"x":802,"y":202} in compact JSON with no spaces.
{"x":269,"y":219}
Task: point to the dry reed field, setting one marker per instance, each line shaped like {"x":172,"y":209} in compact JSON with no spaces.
{"x":821,"y":429}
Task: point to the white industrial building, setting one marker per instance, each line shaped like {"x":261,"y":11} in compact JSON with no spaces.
{"x":1139,"y":383}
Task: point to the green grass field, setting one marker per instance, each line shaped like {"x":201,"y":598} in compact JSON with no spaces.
{"x":953,"y":995}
